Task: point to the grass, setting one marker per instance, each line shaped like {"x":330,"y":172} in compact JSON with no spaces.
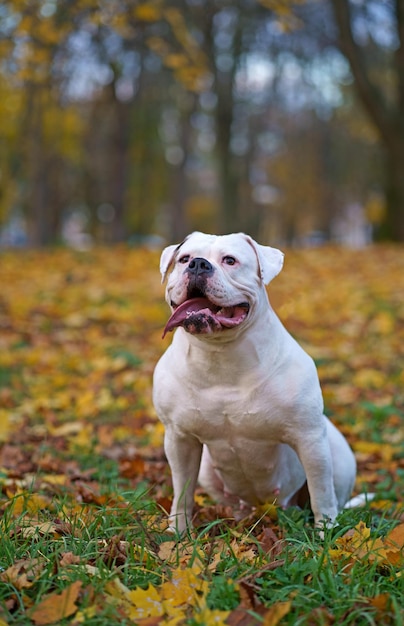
{"x":122,"y":537}
{"x":84,"y":486}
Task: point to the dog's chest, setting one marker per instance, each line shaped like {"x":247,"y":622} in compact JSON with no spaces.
{"x":231,"y":413}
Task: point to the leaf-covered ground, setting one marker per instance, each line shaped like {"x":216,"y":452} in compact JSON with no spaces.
{"x":84,"y":485}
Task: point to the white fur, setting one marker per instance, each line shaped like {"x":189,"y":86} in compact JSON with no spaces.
{"x":242,"y":407}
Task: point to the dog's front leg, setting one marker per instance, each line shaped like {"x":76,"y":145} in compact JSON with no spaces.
{"x":184,"y":457}
{"x":317,"y":463}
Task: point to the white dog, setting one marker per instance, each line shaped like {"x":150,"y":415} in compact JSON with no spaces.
{"x":239,"y":398}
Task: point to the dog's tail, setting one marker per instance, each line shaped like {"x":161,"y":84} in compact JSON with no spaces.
{"x":361,"y":500}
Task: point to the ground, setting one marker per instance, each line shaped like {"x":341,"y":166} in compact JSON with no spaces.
{"x":85,"y":486}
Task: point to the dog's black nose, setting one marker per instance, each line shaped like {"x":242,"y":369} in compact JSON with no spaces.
{"x":200,"y":266}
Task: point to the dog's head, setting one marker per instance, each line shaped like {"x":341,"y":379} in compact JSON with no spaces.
{"x":215,"y":281}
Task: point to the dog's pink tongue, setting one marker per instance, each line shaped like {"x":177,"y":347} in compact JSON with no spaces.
{"x":184,"y":310}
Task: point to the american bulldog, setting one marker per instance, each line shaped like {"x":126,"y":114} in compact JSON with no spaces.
{"x":239,"y":398}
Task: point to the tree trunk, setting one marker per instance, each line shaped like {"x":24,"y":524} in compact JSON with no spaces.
{"x":41,"y":206}
{"x":120,"y":143}
{"x":179,"y":226}
{"x":223,"y":87}
{"x":387,"y":116}
{"x":228,"y":183}
{"x":392,"y":227}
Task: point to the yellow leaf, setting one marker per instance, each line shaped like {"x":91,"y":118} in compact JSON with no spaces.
{"x":269,"y":509}
{"x":137,"y":604}
{"x":146,"y":12}
{"x":175,"y":61}
{"x":4,"y":425}
{"x":358,"y":544}
{"x":276,"y":613}
{"x":55,"y":479}
{"x":242,"y":551}
{"x":85,"y":614}
{"x":67,"y":429}
{"x":145,"y":603}
{"x":213,"y":617}
{"x":390,"y":549}
{"x":28,"y":503}
{"x":383,"y":323}
{"x":185,"y":587}
{"x":369,"y":379}
{"x":383,"y":450}
{"x":155,"y":433}
{"x":83,"y":437}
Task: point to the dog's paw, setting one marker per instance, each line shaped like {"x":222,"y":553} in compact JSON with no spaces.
{"x":178,"y":524}
{"x":324,"y":523}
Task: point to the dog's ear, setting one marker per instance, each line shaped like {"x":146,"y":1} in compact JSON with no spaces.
{"x":166,"y":259}
{"x":270,"y":260}
{"x":168,"y":256}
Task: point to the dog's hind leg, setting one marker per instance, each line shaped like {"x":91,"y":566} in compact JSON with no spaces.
{"x":343,"y":465}
{"x":209,"y":479}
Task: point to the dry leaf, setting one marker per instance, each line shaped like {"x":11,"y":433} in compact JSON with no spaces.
{"x":276,"y":613}
{"x":23,"y":573}
{"x":56,"y":606}
{"x":185,"y":587}
{"x":144,"y":603}
{"x":68,"y":558}
{"x":381,"y":602}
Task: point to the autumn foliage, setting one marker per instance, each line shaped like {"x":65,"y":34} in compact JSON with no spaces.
{"x":84,"y":485}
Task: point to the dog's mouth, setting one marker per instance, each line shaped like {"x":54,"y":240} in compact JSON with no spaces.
{"x":201,"y":316}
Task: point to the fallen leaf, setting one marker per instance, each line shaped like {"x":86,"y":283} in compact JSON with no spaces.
{"x":268,"y":540}
{"x":185,"y":587}
{"x":28,"y":503}
{"x":68,"y":558}
{"x":277,"y":611}
{"x":56,"y":606}
{"x":34,"y":528}
{"x":4,"y":426}
{"x":381,"y":602}
{"x":23,"y":573}
{"x":213,"y":617}
{"x":144,"y":603}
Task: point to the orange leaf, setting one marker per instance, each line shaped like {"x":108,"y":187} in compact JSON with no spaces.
{"x":381,"y":602}
{"x":395,"y":539}
{"x":56,"y":606}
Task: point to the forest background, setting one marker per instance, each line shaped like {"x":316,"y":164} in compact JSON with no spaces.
{"x":121,"y":120}
{"x":136,"y":122}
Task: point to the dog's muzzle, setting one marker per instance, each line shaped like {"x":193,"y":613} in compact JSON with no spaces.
{"x":198,"y":315}
{"x":201,"y":316}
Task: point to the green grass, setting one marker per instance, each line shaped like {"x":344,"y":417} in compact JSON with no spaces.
{"x":82,"y":333}
{"x":321,"y":590}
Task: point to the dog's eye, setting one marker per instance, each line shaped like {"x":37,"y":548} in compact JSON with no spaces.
{"x":229,"y":260}
{"x":184,"y":259}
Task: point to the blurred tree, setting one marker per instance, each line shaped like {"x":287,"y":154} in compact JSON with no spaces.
{"x":148,"y":116}
{"x":49,"y":128}
{"x":10,"y":115}
{"x":371,"y":36}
